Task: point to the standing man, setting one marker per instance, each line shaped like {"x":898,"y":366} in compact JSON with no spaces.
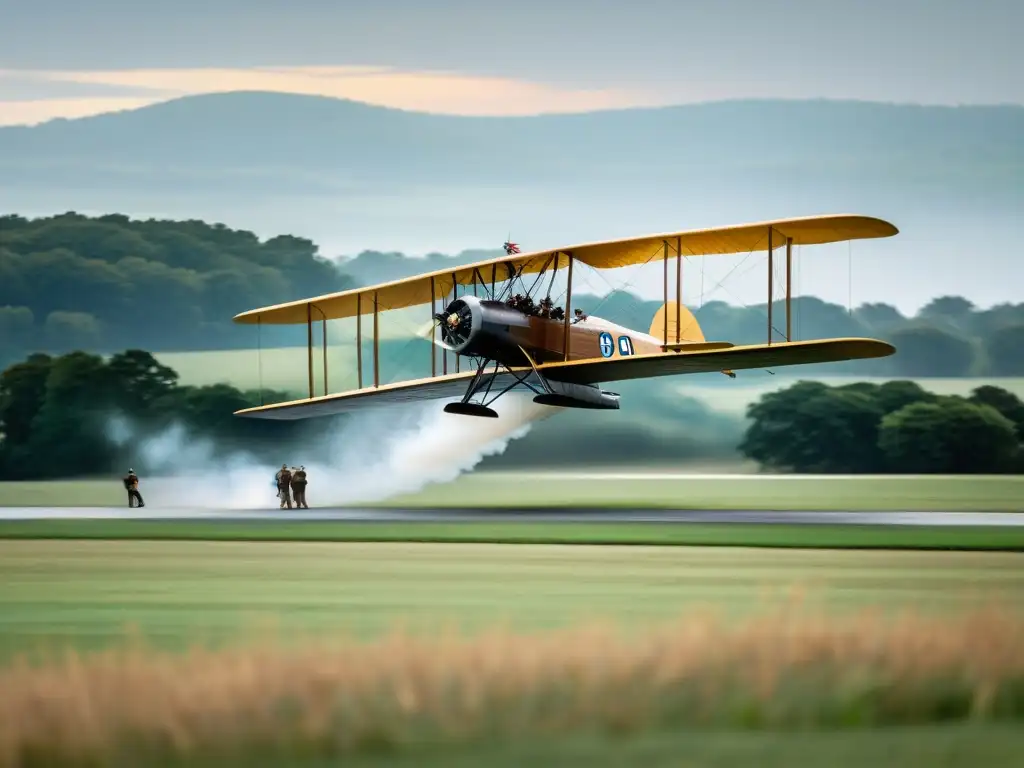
{"x":299,"y":488}
{"x":284,"y":481}
{"x":131,"y":484}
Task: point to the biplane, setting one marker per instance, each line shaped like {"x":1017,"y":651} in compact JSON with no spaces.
{"x":563,"y":357}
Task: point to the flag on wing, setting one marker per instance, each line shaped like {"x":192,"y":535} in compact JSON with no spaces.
{"x":511,"y":248}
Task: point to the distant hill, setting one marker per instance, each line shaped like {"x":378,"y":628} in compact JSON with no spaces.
{"x":355,"y":177}
{"x":324,"y":144}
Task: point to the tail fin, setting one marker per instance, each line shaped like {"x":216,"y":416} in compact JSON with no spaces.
{"x":689,"y":328}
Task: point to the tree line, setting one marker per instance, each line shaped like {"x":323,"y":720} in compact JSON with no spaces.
{"x":895,"y":427}
{"x":72,"y":282}
{"x":56,"y":414}
{"x":106,"y":283}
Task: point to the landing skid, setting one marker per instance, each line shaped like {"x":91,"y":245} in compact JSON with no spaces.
{"x":482,"y":406}
{"x":551,"y":393}
{"x":471,"y":409}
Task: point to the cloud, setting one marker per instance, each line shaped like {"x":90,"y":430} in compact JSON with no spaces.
{"x":439,"y":92}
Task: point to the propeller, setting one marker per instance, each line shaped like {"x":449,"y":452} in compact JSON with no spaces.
{"x":455,"y":322}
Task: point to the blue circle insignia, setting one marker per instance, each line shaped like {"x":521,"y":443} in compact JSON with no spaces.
{"x":607,"y":345}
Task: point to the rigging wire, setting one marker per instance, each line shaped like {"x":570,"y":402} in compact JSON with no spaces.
{"x":849,"y":276}
{"x":259,"y":354}
{"x":701,"y":285}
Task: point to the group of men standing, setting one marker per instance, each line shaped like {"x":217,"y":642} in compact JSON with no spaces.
{"x":291,"y":483}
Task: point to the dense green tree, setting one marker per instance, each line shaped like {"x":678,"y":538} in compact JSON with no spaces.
{"x":926,"y":351}
{"x":162,"y":285}
{"x":810,"y":427}
{"x":953,"y":310}
{"x":67,"y":431}
{"x":22,"y":394}
{"x":891,"y":395}
{"x":56,"y":414}
{"x":946,"y":437}
{"x":879,"y":318}
{"x":141,"y":381}
{"x":1003,"y":401}
{"x":1004,"y":349}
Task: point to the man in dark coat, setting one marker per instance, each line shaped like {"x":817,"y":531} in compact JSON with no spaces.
{"x":299,"y":488}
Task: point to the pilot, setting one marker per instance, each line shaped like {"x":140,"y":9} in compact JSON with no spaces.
{"x":579,"y":316}
{"x":546,"y":307}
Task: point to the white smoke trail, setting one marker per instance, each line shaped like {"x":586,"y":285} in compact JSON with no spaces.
{"x":378,"y":454}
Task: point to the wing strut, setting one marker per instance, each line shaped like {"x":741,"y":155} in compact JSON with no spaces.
{"x":359,"y":340}
{"x":568,"y":313}
{"x":789,"y":288}
{"x":376,"y":344}
{"x":771,"y":287}
{"x":679,"y":284}
{"x":433,"y":331}
{"x":309,"y":345}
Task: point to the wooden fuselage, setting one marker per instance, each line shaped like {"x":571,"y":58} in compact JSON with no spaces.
{"x":545,"y":340}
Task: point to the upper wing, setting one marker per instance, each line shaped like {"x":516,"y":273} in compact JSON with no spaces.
{"x":422,"y":289}
{"x":592,"y":371}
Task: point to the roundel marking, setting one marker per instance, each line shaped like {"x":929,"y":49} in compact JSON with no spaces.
{"x":607,"y":345}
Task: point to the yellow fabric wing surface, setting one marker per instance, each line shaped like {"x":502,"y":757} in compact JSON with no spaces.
{"x":589,"y":372}
{"x":413,"y":291}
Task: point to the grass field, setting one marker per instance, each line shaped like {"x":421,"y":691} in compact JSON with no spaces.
{"x":604,"y":488}
{"x":86,"y":592}
{"x":718,"y":655}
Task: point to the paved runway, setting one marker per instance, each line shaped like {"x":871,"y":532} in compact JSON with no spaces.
{"x":504,"y":514}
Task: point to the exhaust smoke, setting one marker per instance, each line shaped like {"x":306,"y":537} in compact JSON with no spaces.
{"x":374,"y":456}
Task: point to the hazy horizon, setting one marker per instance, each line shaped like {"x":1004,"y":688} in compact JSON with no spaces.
{"x":490,"y":57}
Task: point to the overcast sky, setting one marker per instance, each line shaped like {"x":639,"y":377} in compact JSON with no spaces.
{"x":68,"y":57}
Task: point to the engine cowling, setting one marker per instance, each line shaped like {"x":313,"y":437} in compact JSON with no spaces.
{"x":484,"y":328}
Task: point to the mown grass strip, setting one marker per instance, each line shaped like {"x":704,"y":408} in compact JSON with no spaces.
{"x":1006,"y":539}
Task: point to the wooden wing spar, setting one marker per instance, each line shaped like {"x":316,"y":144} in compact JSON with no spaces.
{"x":560,"y":358}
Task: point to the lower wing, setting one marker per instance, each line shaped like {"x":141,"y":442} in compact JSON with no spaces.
{"x":594,"y":371}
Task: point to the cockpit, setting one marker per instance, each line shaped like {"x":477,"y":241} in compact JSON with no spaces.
{"x":545,"y":308}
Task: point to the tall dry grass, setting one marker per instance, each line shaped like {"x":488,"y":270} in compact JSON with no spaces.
{"x":330,"y":699}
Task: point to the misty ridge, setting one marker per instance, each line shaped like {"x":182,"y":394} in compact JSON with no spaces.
{"x":310,"y":144}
